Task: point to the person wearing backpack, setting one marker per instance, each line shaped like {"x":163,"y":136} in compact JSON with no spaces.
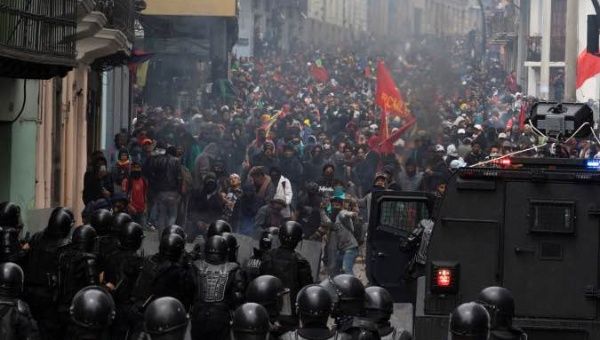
{"x":136,"y":188}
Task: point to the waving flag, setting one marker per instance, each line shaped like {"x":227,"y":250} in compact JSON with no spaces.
{"x":389,"y":99}
{"x":588,"y":65}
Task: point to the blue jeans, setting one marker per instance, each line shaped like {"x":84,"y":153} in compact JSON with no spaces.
{"x":348,"y":258}
{"x":167,"y":206}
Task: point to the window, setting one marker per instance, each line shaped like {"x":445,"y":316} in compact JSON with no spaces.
{"x":401,"y":216}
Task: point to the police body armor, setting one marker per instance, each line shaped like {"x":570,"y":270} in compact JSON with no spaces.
{"x":214,"y":281}
{"x":283,"y":264}
{"x":10,"y":310}
{"x":151,"y":268}
{"x":252,"y":266}
{"x":76,"y":270}
{"x":123,"y":268}
{"x":105,"y":245}
{"x":42,"y":267}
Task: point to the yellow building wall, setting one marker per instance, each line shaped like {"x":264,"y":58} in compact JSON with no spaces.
{"x":220,"y":8}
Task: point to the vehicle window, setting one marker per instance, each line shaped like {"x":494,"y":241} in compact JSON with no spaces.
{"x":397,"y":216}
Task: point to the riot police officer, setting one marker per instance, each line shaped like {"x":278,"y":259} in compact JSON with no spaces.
{"x":252,"y":266}
{"x":348,"y":296}
{"x":313,"y":307}
{"x":379,"y":308}
{"x":165,"y":319}
{"x":16,"y":321}
{"x":220,"y":288}
{"x":77,"y":268}
{"x":217,"y":227}
{"x":10,"y":228}
{"x":500,"y":304}
{"x":250,"y":322}
{"x":41,"y":270}
{"x":91,"y":314}
{"x":287,"y":264}
{"x":102,"y":221}
{"x":122,"y":270}
{"x":232,"y":247}
{"x":268,"y":291}
{"x":161,"y":275}
{"x":469,"y":321}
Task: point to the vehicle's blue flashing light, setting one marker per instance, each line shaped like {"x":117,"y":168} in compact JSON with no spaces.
{"x":593,"y":164}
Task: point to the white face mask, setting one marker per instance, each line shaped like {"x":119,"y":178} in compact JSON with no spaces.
{"x":326,"y":146}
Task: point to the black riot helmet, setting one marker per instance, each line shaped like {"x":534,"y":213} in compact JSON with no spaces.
{"x":11,"y":280}
{"x":290,"y":234}
{"x":10,"y":215}
{"x":84,"y":238}
{"x":232,"y":247}
{"x":218,"y":227}
{"x":174,"y":229}
{"x":268,"y":291}
{"x":469,"y":321}
{"x":215,"y":250}
{"x":131,"y":236}
{"x":92,"y":308}
{"x":500,"y":304}
{"x":379,"y":304}
{"x":347,"y":294}
{"x":102,"y":221}
{"x":165,"y":319}
{"x":171,"y":247}
{"x":120,"y":220}
{"x":60,"y":223}
{"x":313,"y":306}
{"x":250,"y":322}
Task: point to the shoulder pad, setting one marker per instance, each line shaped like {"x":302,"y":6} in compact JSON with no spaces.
{"x":23,"y":307}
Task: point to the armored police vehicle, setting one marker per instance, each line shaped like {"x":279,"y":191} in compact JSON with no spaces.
{"x":531,"y":225}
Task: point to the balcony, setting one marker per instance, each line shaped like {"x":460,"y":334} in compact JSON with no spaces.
{"x":120,"y":15}
{"x":503,"y":24}
{"x":36,"y":38}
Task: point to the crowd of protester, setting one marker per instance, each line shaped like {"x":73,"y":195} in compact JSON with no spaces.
{"x":289,"y":145}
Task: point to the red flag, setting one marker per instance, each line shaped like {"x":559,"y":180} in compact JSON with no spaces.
{"x":319,"y":73}
{"x":522,"y":113}
{"x":390,"y":101}
{"x":588,"y":65}
{"x":388,"y":97}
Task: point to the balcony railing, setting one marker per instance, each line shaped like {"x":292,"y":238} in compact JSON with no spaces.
{"x":120,"y":15}
{"x":502,"y":23}
{"x":38,"y":31}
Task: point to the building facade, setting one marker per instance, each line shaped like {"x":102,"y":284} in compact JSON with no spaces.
{"x":554,"y":33}
{"x":54,"y":113}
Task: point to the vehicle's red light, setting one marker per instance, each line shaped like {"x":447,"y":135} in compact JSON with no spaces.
{"x":505,"y":162}
{"x":444,"y":277}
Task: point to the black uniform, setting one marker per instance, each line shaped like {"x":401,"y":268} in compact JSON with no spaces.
{"x":162,"y":274}
{"x":16,"y":322}
{"x":220,"y":287}
{"x":122,"y":270}
{"x":252,"y":266}
{"x":77,"y":268}
{"x":10,"y":228}
{"x":313,"y":307}
{"x":41,"y":271}
{"x":348,"y":294}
